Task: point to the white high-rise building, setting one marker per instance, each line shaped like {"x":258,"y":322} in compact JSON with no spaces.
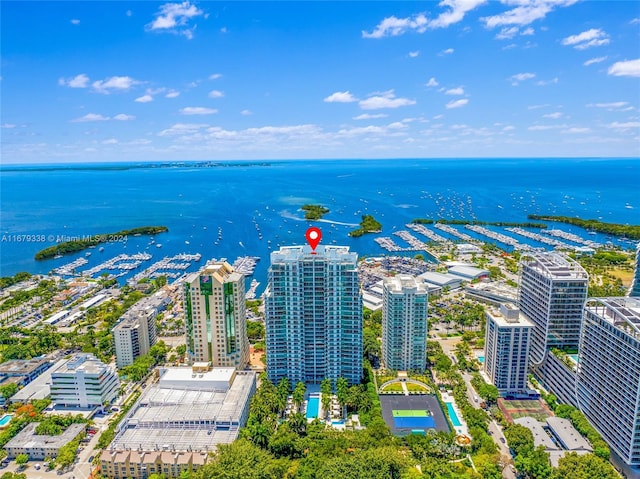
{"x":507,"y":343}
{"x":608,"y":375}
{"x":134,"y":334}
{"x":553,"y":289}
{"x":404,"y":323}
{"x":84,"y":382}
{"x":313,"y":312}
{"x":215,"y":317}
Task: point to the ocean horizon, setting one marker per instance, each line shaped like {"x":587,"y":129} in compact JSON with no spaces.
{"x":246,"y":199}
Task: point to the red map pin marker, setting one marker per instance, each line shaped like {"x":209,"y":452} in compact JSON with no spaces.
{"x":313,"y":235}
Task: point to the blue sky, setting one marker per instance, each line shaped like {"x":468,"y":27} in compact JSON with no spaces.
{"x":129,"y":81}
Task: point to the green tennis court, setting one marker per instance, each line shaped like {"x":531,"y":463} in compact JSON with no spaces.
{"x":410,"y":413}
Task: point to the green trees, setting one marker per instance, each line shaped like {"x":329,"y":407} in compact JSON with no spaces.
{"x":314,"y":212}
{"x":22,"y":459}
{"x":600,"y":448}
{"x":8,"y":390}
{"x":587,"y":466}
{"x":488,"y":392}
{"x":342,"y":392}
{"x":520,"y":438}
{"x":368,"y":225}
{"x":534,"y":464}
{"x":325,"y":389}
{"x":48,"y":428}
{"x":298,"y":394}
{"x":242,"y":459}
{"x":67,"y":454}
{"x":255,"y":331}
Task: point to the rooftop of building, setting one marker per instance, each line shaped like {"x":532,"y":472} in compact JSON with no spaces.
{"x":468,"y":271}
{"x":221,"y":271}
{"x":21,"y":366}
{"x":404,"y":282}
{"x":567,"y":434}
{"x":540,"y":436}
{"x":191,"y":378}
{"x":159,"y":406}
{"x":494,"y":288}
{"x":508,"y":315}
{"x":165,"y":456}
{"x":440,"y":279}
{"x":39,"y":388}
{"x":622,"y":312}
{"x":329,"y":252}
{"x":555,"y":265}
{"x":142,"y":309}
{"x":28,"y":439}
{"x":84,"y":362}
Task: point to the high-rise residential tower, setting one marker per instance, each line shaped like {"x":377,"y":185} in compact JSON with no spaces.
{"x":635,"y":285}
{"x":507,"y":343}
{"x":608,"y":375}
{"x":404,"y":323}
{"x":215,"y":316}
{"x":313,"y":312}
{"x":553,"y":289}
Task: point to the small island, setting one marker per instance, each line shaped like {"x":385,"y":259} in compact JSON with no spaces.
{"x":73,"y":244}
{"x":314,"y":212}
{"x":368,"y":225}
{"x":613,"y":229}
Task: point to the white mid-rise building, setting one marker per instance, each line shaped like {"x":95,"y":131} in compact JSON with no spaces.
{"x":608,"y":375}
{"x":215,"y":316}
{"x":553,"y":289}
{"x":313,"y":312}
{"x":507,"y":343}
{"x":404,"y":323}
{"x":84,"y":382}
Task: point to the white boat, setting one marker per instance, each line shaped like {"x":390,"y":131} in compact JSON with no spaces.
{"x":159,"y":245}
{"x":88,"y":253}
{"x":101,"y":249}
{"x":58,"y":256}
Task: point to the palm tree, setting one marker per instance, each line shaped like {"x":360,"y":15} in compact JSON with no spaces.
{"x":298,"y":424}
{"x":325,"y":389}
{"x":342,"y":392}
{"x":298,"y":394}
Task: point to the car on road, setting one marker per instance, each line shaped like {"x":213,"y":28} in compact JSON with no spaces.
{"x":502,"y":440}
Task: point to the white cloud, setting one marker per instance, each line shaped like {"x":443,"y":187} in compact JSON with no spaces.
{"x":546,"y":127}
{"x":629,"y":68}
{"x":341,"y":97}
{"x":447,"y":51}
{"x":594,"y":60}
{"x":90,"y":117}
{"x":575,"y":129}
{"x":553,"y":81}
{"x":144,"y":99}
{"x":634,"y":21}
{"x":216,"y":94}
{"x":175,"y":18}
{"x":75,"y":21}
{"x":182,"y":129}
{"x":385,"y":99}
{"x":215,"y":76}
{"x":458,"y":9}
{"x":414,"y":54}
{"x":110,"y":141}
{"x":507,"y":33}
{"x":509,"y":128}
{"x":432,"y":82}
{"x":197,"y":110}
{"x":555,"y":115}
{"x":524,"y":12}
{"x":528,"y":31}
{"x":455,"y":91}
{"x":624,"y":126}
{"x":369,"y":116}
{"x":124,"y":117}
{"x":8,"y":125}
{"x":246,"y":112}
{"x":128,"y":13}
{"x":520,"y":77}
{"x":393,"y":26}
{"x":114,"y":83}
{"x":78,"y":81}
{"x":594,"y":37}
{"x":223,"y":30}
{"x":173,"y":94}
{"x":612,"y":106}
{"x":456,"y":103}
{"x":537,"y":107}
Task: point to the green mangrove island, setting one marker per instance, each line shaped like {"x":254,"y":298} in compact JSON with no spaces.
{"x":368,"y":225}
{"x":314,"y":212}
{"x":613,"y":229}
{"x":75,"y":244}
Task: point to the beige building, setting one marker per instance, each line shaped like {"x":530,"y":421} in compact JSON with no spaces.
{"x":141,"y":464}
{"x":215,"y":316}
{"x":38,"y":446}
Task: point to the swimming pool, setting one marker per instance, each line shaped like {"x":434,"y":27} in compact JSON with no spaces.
{"x":575,"y":357}
{"x":452,"y":414}
{"x":313,"y":407}
{"x":5,"y":419}
{"x":481,"y":359}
